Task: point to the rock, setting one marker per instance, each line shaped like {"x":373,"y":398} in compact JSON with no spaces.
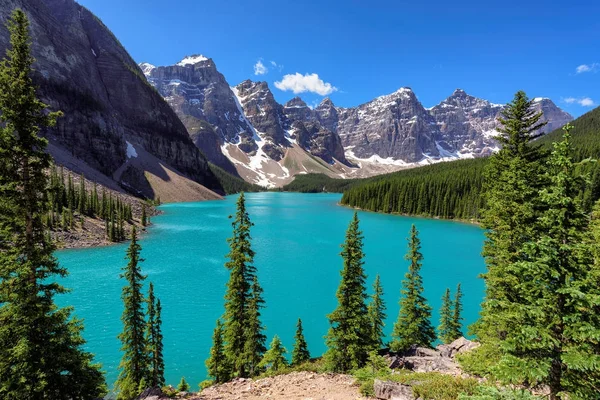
{"x":387,"y":390}
{"x":460,"y":345}
{"x":154,"y":393}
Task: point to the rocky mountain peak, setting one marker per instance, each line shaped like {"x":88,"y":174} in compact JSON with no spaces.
{"x":326,"y":102}
{"x":146,"y":68}
{"x":296,"y":102}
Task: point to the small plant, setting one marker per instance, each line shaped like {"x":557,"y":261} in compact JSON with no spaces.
{"x":183,"y":385}
{"x":493,"y":393}
{"x":205,"y":384}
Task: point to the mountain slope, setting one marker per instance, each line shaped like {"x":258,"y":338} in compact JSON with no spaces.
{"x":83,"y":70}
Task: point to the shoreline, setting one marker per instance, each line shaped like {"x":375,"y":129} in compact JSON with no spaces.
{"x":460,"y":220}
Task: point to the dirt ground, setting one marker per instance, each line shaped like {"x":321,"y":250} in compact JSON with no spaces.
{"x":296,"y":385}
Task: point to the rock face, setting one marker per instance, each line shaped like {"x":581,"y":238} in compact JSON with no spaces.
{"x":203,"y":100}
{"x":83,"y":70}
{"x":420,"y":359}
{"x":394,"y":126}
{"x":387,"y":390}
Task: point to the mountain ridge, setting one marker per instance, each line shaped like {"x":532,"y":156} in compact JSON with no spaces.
{"x":391,"y":132}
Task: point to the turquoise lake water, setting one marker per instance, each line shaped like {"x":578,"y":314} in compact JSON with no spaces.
{"x":297,"y":240}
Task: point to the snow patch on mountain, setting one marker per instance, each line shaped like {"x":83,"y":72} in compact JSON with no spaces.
{"x":191,"y":60}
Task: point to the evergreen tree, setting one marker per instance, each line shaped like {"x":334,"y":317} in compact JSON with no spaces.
{"x":242,"y":331}
{"x":556,"y":343}
{"x":144,"y":218}
{"x":156,"y":367}
{"x":134,"y":362}
{"x":349,"y":337}
{"x":41,"y":346}
{"x":82,"y":200}
{"x":513,"y":179}
{"x":217,"y":364}
{"x":255,"y":339}
{"x":413,"y":326}
{"x":300,"y":353}
{"x":274,"y":358}
{"x":183,"y":385}
{"x":446,"y":314}
{"x":377,"y":315}
{"x":456,"y":331}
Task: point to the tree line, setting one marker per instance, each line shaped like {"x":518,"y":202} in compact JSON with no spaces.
{"x":455,"y":189}
{"x":70,"y":204}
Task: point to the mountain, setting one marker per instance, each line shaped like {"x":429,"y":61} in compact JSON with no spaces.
{"x":115,"y":125}
{"x":244,"y":130}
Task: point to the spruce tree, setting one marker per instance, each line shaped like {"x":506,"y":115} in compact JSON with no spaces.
{"x":512,"y":182}
{"x":300,"y":353}
{"x":349,"y":337}
{"x":144,"y":218}
{"x":446,"y":314}
{"x":217,"y":364}
{"x":156,"y":367}
{"x":183,"y":385}
{"x":41,"y":345}
{"x":254,"y":347}
{"x":274,"y":359}
{"x":556,"y":342}
{"x":413,"y":326}
{"x":376,"y":310}
{"x":244,"y":340}
{"x":456,"y":331}
{"x":133,"y":366}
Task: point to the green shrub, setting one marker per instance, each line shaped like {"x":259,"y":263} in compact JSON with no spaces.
{"x":436,"y":386}
{"x":205,"y":384}
{"x":493,"y":393}
{"x":479,"y":361}
{"x":315,"y":365}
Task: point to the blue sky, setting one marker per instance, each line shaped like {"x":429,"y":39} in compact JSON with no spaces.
{"x":363,"y":49}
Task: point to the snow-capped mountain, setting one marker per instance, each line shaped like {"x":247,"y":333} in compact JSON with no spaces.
{"x":246,"y":131}
{"x":243,"y":129}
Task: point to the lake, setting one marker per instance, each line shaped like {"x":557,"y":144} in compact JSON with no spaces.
{"x":297,"y":240}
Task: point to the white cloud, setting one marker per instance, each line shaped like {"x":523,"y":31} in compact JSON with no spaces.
{"x":587,"y":68}
{"x":299,"y":83}
{"x":582,"y":101}
{"x":260,"y":69}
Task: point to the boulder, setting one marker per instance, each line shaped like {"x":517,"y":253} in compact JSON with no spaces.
{"x":460,"y":345}
{"x":388,"y":390}
{"x":154,"y":393}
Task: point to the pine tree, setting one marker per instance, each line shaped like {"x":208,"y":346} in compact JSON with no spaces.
{"x":134,"y":362}
{"x":217,"y":364}
{"x":156,"y":367}
{"x":41,"y":345}
{"x":183,"y":385}
{"x":254,"y":347}
{"x":242,"y":331}
{"x":82,"y":200}
{"x":274,"y":359}
{"x":300,"y":353}
{"x":413,"y":326}
{"x":144,"y":220}
{"x":376,"y":310}
{"x":512,"y":182}
{"x":349,"y":337}
{"x":556,"y":343}
{"x":446,"y":314}
{"x":456,"y":331}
